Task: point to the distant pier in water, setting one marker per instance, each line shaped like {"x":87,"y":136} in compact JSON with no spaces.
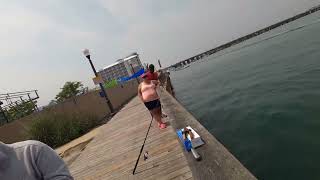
{"x":244,"y":38}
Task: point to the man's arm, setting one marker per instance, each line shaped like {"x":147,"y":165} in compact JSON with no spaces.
{"x":155,"y":82}
{"x":50,"y":165}
{"x":157,"y":77}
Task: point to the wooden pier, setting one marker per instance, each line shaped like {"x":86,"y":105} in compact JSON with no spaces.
{"x":113,"y":152}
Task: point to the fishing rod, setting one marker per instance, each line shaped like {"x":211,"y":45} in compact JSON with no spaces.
{"x":135,"y":167}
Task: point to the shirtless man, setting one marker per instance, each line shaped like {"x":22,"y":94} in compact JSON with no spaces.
{"x":148,"y":94}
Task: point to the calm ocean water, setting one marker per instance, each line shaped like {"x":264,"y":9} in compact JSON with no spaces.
{"x":261,"y":99}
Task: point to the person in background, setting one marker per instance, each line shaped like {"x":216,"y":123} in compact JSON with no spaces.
{"x":151,"y":74}
{"x":148,"y":94}
{"x":31,"y":160}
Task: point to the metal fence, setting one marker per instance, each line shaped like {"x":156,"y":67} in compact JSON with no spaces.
{"x":12,"y":105}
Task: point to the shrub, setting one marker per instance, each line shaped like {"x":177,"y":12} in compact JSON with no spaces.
{"x":58,"y":129}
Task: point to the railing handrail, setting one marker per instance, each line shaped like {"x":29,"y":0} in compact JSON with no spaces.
{"x":17,"y":93}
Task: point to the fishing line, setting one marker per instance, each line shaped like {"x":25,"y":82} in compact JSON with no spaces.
{"x":135,"y":167}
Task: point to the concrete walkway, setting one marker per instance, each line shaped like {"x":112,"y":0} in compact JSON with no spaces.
{"x":113,"y":152}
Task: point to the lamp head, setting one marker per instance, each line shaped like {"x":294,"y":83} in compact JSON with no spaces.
{"x":86,"y":53}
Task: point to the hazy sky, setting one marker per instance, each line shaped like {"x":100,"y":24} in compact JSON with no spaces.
{"x":41,"y":41}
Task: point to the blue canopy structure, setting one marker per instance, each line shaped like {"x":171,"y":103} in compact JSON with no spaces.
{"x":135,"y":75}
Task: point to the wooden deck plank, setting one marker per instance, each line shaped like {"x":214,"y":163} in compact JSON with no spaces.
{"x":147,"y":164}
{"x":113,"y":152}
{"x":184,"y":176}
{"x":177,"y":173}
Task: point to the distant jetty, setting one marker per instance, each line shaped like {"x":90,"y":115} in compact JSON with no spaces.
{"x":244,"y":38}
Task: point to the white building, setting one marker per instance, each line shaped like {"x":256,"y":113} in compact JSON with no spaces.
{"x":121,"y":68}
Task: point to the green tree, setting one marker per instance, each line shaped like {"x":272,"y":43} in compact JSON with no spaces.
{"x":21,"y":109}
{"x":69,"y":90}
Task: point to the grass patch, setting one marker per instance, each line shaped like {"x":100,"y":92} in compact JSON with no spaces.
{"x":58,"y":129}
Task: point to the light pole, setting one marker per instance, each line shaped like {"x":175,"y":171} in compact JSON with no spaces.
{"x":86,"y":53}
